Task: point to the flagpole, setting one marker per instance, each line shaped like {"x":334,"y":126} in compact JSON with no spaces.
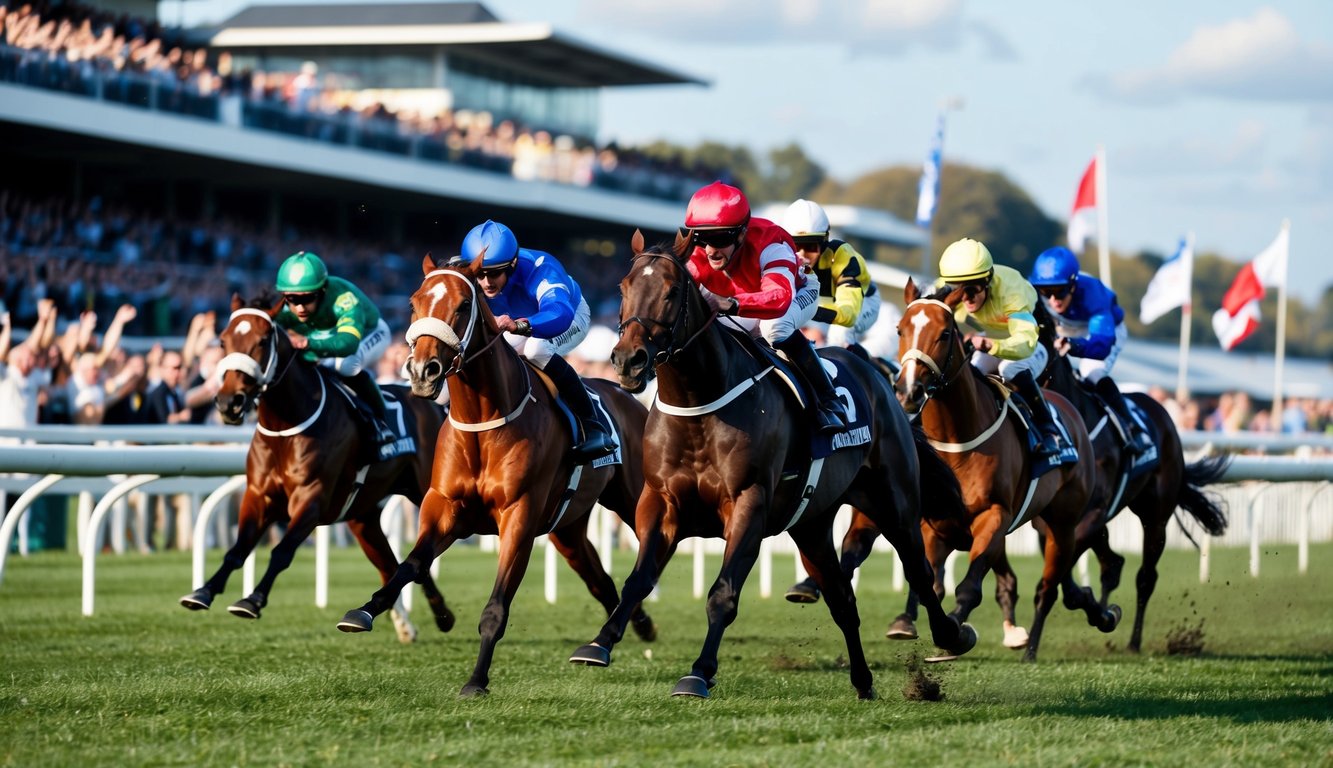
{"x":1281,"y":333}
{"x":1103,"y":227}
{"x":1186,"y":319}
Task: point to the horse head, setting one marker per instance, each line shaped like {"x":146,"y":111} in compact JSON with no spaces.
{"x":448,"y":312}
{"x":252,"y":345}
{"x":658,"y":304}
{"x":930,"y":347}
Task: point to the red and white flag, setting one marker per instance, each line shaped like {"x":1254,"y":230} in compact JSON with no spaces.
{"x":1083,"y":219}
{"x":1239,"y":315}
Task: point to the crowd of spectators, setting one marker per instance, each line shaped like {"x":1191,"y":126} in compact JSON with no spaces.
{"x":75,"y":48}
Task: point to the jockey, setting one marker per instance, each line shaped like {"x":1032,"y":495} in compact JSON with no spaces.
{"x":748,"y":268}
{"x":335,"y":325}
{"x":543,"y":314}
{"x":1091,"y":325}
{"x":999,"y":302}
{"x":848,"y":302}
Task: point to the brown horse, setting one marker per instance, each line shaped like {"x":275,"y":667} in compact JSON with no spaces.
{"x":306,"y":464}
{"x":503,"y":462}
{"x":1153,"y":494}
{"x":727,"y":453}
{"x":978,"y":435}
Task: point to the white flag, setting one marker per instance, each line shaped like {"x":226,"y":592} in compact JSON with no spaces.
{"x":1170,"y":287}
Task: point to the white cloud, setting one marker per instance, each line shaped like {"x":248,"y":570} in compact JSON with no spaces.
{"x":1243,"y":151}
{"x":1261,"y":58}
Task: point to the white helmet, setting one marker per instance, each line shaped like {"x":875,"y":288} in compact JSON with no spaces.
{"x":805,"y":219}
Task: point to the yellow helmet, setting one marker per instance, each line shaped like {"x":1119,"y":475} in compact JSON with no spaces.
{"x":965,"y":261}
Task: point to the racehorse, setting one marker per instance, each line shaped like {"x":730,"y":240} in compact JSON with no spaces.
{"x":1153,"y":494}
{"x":503,"y":464}
{"x":728,"y":453}
{"x":973,"y":426}
{"x":307,"y":465}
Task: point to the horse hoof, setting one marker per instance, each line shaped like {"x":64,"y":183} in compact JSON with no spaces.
{"x":693,"y":685}
{"x":967,"y":639}
{"x":902,"y":628}
{"x":444,"y":621}
{"x":1015,"y":638}
{"x":802,"y":593}
{"x":357,"y":620}
{"x":472,"y":690}
{"x":1110,"y":618}
{"x":644,"y":628}
{"x":198,"y":600}
{"x":867,"y":695}
{"x":592,"y":655}
{"x":244,"y":609}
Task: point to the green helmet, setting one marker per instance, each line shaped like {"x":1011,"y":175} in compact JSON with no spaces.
{"x":302,"y":272}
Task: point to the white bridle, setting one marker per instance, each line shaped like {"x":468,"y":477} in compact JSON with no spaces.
{"x":239,"y":361}
{"x":440,"y":330}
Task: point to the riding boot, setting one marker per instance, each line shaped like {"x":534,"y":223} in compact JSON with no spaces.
{"x":1136,"y":440}
{"x":831,"y":415}
{"x":365,"y":387}
{"x":596,"y":442}
{"x":1049,"y":444}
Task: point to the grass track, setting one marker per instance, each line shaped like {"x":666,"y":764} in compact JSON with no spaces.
{"x":146,"y":683}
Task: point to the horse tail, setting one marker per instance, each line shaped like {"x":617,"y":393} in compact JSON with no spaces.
{"x":1206,"y":508}
{"x":941,"y":493}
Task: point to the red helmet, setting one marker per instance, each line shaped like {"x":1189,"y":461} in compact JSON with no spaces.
{"x":717,"y":206}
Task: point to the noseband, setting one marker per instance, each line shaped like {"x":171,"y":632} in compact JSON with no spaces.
{"x":441,"y":331}
{"x":239,"y":361}
{"x":943,"y":376}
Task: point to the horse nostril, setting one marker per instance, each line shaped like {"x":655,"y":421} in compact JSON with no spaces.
{"x":639,"y":359}
{"x":432,"y":370}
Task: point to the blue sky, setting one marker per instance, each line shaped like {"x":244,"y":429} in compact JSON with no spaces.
{"x":1217,"y":117}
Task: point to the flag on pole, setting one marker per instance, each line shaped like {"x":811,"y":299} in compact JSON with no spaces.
{"x":928,"y":191}
{"x":1170,"y":287}
{"x":1239,"y":315}
{"x":1083,"y":218}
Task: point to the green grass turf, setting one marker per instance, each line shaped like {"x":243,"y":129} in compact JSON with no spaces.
{"x":145,"y":682}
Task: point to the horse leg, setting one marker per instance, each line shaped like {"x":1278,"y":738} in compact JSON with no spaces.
{"x":724,"y":596}
{"x":1006,"y":596}
{"x":572,"y":543}
{"x":515,"y":549}
{"x":1154,"y":543}
{"x":254,"y":520}
{"x":816,"y":546}
{"x":905,"y":542}
{"x":1110,"y":563}
{"x":302,"y":524}
{"x":856,"y":548}
{"x":376,"y":547}
{"x":436,"y":534}
{"x":444,"y":618}
{"x":655,"y":548}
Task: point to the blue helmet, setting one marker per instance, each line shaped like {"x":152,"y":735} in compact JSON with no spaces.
{"x":496,"y":239}
{"x":1055,"y":266}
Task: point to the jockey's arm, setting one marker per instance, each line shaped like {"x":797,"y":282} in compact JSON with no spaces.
{"x":342,"y":343}
{"x":1100,"y":339}
{"x":554,"y":315}
{"x":1022,"y":340}
{"x":777,"y":285}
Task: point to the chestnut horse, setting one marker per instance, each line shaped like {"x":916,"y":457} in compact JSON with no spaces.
{"x":503,"y":463}
{"x":727,"y":452}
{"x":977,"y":434}
{"x":306,"y":464}
{"x":1153,"y":494}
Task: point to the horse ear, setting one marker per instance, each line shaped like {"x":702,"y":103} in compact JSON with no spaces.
{"x":276,"y":308}
{"x":475,"y":266}
{"x":636,"y":242}
{"x":236,"y":302}
{"x":682,"y":244}
{"x":427,"y":264}
{"x":910,"y":292}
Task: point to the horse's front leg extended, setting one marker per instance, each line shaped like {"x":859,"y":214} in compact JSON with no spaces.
{"x":436,"y":534}
{"x":303,"y":522}
{"x":816,"y":545}
{"x":515,"y":549}
{"x":255,"y":518}
{"x":656,"y":543}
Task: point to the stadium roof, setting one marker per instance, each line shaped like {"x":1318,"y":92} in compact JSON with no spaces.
{"x":534,"y":48}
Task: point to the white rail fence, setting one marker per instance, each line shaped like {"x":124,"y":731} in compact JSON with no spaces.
{"x":1271,"y":499}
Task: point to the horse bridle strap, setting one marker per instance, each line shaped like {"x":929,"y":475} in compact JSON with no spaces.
{"x":700,"y":410}
{"x":239,"y":361}
{"x":976,"y":441}
{"x":483,"y":426}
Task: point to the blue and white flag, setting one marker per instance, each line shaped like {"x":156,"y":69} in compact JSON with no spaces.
{"x":1170,"y":287}
{"x":928,"y":192}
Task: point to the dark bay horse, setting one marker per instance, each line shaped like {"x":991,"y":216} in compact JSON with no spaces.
{"x":978,"y":436}
{"x":727,"y":453}
{"x":502,"y":465}
{"x":1154,"y":495}
{"x":306,"y":464}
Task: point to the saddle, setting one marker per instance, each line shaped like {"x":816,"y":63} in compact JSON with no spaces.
{"x":1146,"y":461}
{"x":599,"y":411}
{"x":1068,"y":454}
{"x":405,"y":441}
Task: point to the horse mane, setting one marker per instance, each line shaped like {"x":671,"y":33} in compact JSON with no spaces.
{"x":940,"y":294}
{"x":265,"y":300}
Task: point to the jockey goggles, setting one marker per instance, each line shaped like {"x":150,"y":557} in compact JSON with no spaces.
{"x":717,"y":238}
{"x":970,"y":290}
{"x":301,"y":299}
{"x":1058,"y":292}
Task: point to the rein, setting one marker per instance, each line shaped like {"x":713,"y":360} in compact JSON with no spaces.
{"x":942,"y":376}
{"x":669,"y":351}
{"x":444,"y":333}
{"x":268,"y":375}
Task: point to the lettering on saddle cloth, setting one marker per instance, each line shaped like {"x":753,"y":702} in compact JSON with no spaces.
{"x":1068,"y":452}
{"x":853,"y":399}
